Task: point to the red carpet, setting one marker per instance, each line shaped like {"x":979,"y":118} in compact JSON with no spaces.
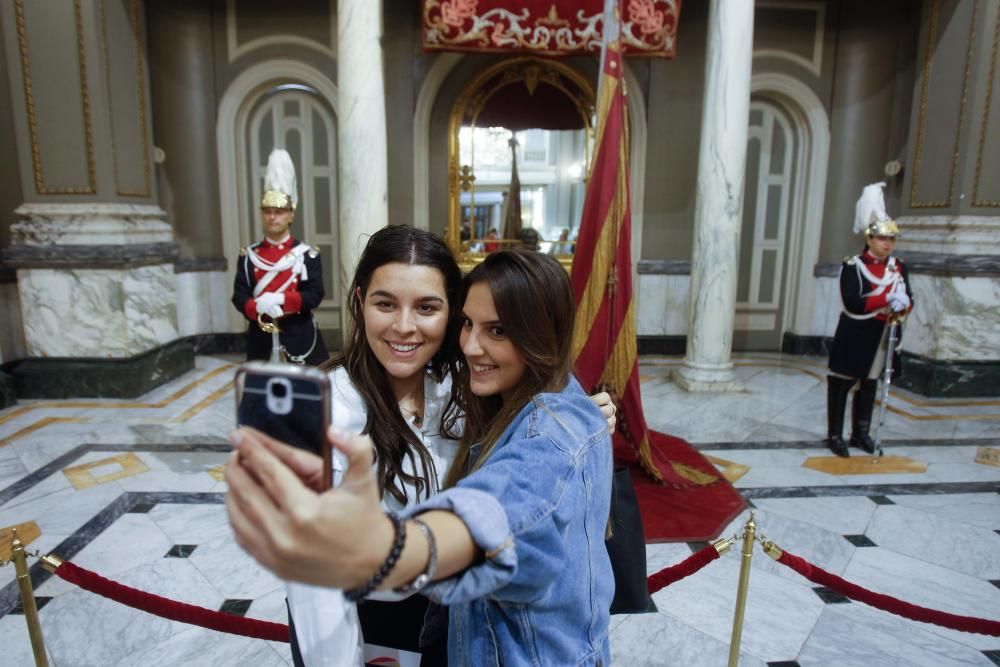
{"x":691,"y":513}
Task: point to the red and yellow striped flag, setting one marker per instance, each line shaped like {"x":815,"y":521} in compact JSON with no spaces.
{"x":604,"y":336}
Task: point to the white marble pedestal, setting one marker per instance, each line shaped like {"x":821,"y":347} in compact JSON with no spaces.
{"x":94,"y":280}
{"x":694,"y":376}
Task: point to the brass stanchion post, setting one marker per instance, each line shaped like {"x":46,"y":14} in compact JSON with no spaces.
{"x":749,"y":536}
{"x":28,"y":600}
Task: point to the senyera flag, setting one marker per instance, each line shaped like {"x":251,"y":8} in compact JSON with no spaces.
{"x":604,"y":338}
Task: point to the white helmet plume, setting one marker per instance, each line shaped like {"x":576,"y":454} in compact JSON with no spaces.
{"x":870,"y":208}
{"x":279,"y":181}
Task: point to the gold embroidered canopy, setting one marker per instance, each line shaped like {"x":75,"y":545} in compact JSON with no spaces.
{"x":548,"y":27}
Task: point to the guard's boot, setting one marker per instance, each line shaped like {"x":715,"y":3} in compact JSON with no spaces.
{"x":836,"y":402}
{"x":861,"y":416}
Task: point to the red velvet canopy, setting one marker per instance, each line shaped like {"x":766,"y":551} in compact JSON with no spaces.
{"x":548,"y":27}
{"x":546,"y":108}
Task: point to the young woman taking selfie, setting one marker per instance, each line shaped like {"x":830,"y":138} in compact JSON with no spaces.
{"x":393,"y":382}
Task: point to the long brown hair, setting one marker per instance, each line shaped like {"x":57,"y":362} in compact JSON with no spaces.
{"x":534,"y":301}
{"x":393,"y":438}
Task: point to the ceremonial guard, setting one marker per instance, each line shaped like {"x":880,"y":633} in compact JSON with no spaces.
{"x":874,"y":290}
{"x":279,"y":281}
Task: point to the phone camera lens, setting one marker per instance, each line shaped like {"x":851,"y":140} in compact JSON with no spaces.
{"x":279,"y":390}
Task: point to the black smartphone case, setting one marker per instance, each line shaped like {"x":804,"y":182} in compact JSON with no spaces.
{"x":303,"y":426}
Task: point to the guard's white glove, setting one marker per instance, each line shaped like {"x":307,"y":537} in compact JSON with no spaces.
{"x":898,"y":301}
{"x":270,"y":303}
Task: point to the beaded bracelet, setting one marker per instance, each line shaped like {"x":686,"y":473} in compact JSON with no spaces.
{"x":424,"y":577}
{"x":390,"y":561}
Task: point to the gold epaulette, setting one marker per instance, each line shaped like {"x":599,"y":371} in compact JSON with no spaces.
{"x":850,"y":260}
{"x":243,"y":252}
{"x":313,"y":251}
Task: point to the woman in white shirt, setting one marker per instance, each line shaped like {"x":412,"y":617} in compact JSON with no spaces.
{"x":392,"y":382}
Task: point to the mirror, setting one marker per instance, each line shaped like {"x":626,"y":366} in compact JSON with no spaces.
{"x":519,"y":143}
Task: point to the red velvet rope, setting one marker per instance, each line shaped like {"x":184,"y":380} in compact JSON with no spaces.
{"x":175,"y":611}
{"x":690,"y":565}
{"x":888,"y":603}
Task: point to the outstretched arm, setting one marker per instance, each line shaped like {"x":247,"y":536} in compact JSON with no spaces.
{"x":338,"y":538}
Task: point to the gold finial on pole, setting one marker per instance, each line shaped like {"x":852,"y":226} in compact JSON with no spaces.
{"x":28,"y":599}
{"x":749,"y":536}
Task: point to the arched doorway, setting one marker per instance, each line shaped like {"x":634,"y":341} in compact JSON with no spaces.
{"x":772,"y":165}
{"x":542,"y":111}
{"x":284,"y":104}
{"x":443,"y":66}
{"x":789,"y":108}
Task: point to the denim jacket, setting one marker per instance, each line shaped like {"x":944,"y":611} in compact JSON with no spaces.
{"x":538,"y":509}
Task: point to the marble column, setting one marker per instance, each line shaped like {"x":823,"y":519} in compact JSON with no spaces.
{"x":184,"y":106}
{"x":361,"y":131}
{"x":184,"y":103}
{"x":708,"y":362}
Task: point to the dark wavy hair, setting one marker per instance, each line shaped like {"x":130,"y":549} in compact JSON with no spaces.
{"x":393,"y":438}
{"x":534,"y":301}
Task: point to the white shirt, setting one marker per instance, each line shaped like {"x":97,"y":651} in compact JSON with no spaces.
{"x":326,"y":624}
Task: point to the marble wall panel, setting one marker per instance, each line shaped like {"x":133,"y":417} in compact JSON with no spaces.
{"x":150,"y":306}
{"x":920,"y":336}
{"x":202,"y":302}
{"x":221,"y":294}
{"x":90,"y":224}
{"x":949,"y":234}
{"x":954,"y":318}
{"x":662,"y":304}
{"x":97,"y":313}
{"x":70,"y":313}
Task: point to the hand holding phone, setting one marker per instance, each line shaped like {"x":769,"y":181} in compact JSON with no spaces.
{"x":289,"y":403}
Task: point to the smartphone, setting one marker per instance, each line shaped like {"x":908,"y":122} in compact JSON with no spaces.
{"x":289,"y":403}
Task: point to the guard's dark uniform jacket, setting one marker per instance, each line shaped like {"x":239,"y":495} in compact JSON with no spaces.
{"x":299,"y":276}
{"x":865,"y":283}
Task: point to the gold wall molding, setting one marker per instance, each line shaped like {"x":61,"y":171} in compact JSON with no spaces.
{"x":926,"y":66}
{"x":976,"y":201}
{"x":140,"y":83}
{"x":29,"y":101}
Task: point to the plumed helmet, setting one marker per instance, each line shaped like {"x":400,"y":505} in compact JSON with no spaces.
{"x":869,"y":213}
{"x":279,"y":182}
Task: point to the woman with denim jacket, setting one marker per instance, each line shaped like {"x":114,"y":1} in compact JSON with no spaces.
{"x":516,"y":546}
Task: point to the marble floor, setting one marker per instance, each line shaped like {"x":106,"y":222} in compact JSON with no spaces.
{"x":133,"y":491}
